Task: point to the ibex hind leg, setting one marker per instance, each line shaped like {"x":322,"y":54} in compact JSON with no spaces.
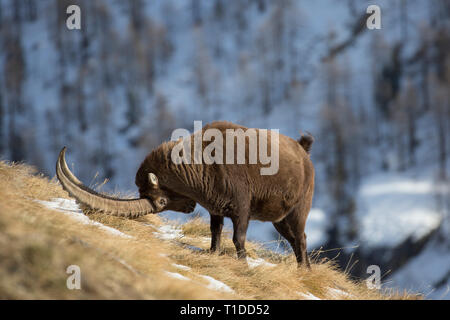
{"x":283,"y":228}
{"x":296,"y":221}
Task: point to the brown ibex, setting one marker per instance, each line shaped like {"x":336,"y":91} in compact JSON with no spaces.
{"x":236,"y":191}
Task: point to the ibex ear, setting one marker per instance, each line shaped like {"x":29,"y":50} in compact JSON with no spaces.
{"x":153,"y":179}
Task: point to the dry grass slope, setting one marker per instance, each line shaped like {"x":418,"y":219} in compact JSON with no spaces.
{"x":38,"y":244}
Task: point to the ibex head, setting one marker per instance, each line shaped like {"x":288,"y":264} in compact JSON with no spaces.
{"x":153,"y":199}
{"x":161,"y":196}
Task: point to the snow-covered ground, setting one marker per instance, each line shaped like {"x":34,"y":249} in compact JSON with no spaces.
{"x":165,"y":232}
{"x":429,"y":272}
{"x":70,"y":207}
{"x":308,"y":296}
{"x":393,"y":207}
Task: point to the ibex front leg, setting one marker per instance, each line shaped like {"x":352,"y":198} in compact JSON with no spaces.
{"x":216,"y":231}
{"x":240,"y":225}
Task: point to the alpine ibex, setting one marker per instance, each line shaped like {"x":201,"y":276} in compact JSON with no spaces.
{"x":236,"y":191}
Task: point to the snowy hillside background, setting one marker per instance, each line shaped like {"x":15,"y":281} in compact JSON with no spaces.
{"x":377,"y":102}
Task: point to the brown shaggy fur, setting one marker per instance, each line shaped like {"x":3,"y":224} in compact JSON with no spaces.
{"x":238,"y":191}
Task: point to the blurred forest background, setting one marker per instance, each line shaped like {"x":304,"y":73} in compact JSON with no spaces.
{"x":377,"y":102}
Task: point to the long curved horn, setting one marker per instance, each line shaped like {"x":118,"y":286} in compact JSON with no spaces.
{"x":129,"y":208}
{"x":65,"y":168}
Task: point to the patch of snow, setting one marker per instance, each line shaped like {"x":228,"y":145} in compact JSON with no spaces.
{"x":216,"y":284}
{"x":253,"y":263}
{"x":338,"y":294}
{"x":201,"y":239}
{"x":423,"y":272}
{"x":205,"y":239}
{"x":180,"y":266}
{"x":397,"y":187}
{"x":315,"y":228}
{"x":168,"y":232}
{"x":191,"y":247}
{"x":70,"y":207}
{"x":442,"y":293}
{"x":393,"y":208}
{"x":308,"y":296}
{"x":176,"y":275}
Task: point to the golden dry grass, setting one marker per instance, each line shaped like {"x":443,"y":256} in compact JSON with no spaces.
{"x":38,"y":244}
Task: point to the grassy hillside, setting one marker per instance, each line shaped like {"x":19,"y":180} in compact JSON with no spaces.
{"x":147,"y":259}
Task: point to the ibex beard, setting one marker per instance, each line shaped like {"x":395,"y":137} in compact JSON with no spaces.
{"x":239,"y":191}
